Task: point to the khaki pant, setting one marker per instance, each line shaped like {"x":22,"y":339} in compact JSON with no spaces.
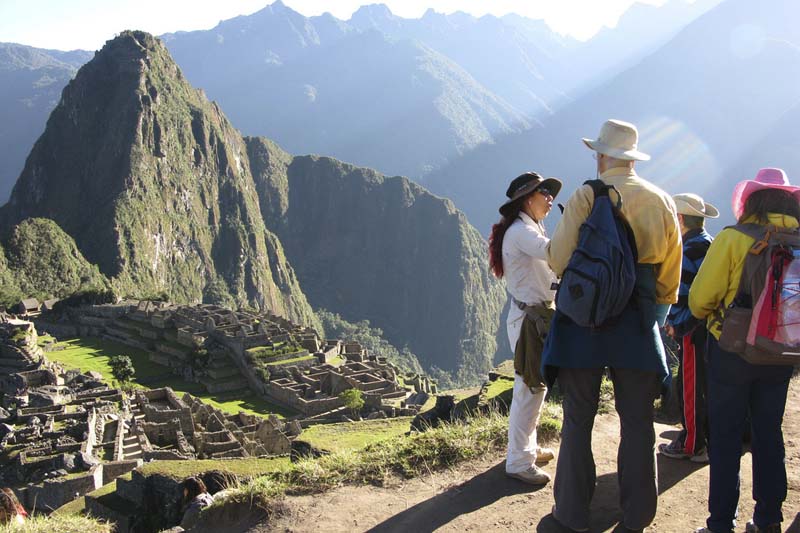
{"x":634,"y":391}
{"x":526,"y":407}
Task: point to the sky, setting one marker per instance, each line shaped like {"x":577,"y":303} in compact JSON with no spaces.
{"x":88,"y":24}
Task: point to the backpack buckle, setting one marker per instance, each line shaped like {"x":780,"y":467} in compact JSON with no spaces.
{"x":761,"y":245}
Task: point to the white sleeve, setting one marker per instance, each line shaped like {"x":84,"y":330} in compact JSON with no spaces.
{"x":531,"y":242}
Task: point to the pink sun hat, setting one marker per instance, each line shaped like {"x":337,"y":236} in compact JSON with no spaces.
{"x":767,"y":178}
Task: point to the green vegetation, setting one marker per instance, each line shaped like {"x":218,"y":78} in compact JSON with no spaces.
{"x":404,"y":456}
{"x":42,"y":261}
{"x":497,"y":387}
{"x":93,"y":354}
{"x":349,"y":436}
{"x":370,"y":338}
{"x":122,"y":369}
{"x":353,"y":400}
{"x":259,"y":353}
{"x":61,"y":523}
{"x":264,"y":357}
{"x":294,"y":360}
{"x":238,"y":468}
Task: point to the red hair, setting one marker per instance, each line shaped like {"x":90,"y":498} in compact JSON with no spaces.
{"x":496,"y":245}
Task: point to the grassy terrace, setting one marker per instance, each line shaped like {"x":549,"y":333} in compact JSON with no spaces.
{"x":291,"y":361}
{"x":93,"y":354}
{"x":355,"y":435}
{"x":265,"y":353}
{"x":239,"y":468}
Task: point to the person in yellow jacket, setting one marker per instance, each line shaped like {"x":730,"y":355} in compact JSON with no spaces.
{"x":734,"y":385}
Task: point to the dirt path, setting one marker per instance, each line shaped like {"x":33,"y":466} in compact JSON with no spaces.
{"x":478,"y":496}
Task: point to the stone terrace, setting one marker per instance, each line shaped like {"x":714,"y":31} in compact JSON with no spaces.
{"x":233,"y":351}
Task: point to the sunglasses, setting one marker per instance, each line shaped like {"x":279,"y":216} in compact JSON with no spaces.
{"x":545,"y":191}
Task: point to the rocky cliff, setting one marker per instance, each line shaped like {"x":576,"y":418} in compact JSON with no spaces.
{"x":372,"y":247}
{"x":154,"y":185}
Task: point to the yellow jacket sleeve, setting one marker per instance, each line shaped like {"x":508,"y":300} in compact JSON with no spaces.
{"x":565,"y":237}
{"x":714,"y":283}
{"x":668,"y":276}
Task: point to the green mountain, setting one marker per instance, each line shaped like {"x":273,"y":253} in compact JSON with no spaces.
{"x":154,"y":185}
{"x":42,"y":261}
{"x":367,"y":246}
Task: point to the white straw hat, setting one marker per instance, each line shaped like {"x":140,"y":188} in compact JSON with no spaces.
{"x":619,"y":140}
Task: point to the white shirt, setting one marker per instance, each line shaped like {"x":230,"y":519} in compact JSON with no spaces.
{"x":528,"y":277}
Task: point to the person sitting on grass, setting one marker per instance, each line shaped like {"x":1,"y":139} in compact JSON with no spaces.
{"x":195,"y":499}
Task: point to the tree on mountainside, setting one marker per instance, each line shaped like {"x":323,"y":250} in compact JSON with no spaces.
{"x":122,"y":369}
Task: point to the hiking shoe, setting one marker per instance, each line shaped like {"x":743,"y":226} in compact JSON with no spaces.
{"x":700,"y":457}
{"x":544,"y":455}
{"x":673,"y":450}
{"x":751,"y":527}
{"x":532,"y":476}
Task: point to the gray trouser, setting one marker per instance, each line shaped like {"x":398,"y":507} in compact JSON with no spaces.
{"x":634,"y":394}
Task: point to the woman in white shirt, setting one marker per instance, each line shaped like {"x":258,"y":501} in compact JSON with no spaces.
{"x":517,"y":252}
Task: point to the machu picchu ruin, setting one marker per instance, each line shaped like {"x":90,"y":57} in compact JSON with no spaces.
{"x":65,"y":433}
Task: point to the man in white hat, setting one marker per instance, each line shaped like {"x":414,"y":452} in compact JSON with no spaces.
{"x":690,"y":333}
{"x":629,"y":346}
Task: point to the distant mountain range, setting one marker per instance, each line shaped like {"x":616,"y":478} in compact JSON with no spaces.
{"x":31,"y":81}
{"x":148,"y":180}
{"x":404,"y":96}
{"x":713,"y":105}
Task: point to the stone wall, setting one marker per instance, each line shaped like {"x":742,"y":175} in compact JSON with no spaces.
{"x":53,"y":493}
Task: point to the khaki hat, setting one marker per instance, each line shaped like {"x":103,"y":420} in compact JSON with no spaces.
{"x":619,"y":140}
{"x":693,"y":205}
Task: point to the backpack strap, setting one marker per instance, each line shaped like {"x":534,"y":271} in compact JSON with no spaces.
{"x":760,"y":234}
{"x":601,"y":188}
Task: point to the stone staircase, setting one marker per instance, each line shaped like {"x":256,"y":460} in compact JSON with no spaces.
{"x":222,"y":375}
{"x":131,"y":449}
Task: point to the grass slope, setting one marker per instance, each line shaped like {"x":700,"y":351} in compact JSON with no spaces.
{"x":349,"y":436}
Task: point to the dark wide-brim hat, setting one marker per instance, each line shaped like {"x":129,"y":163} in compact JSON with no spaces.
{"x":525,"y":184}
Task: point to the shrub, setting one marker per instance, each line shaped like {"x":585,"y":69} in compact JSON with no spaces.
{"x":353,"y":400}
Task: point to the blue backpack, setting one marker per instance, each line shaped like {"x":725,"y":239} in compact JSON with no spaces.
{"x":599,"y":279}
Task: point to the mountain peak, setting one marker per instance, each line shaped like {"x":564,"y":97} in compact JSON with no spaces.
{"x":373,"y":16}
{"x":374,"y":10}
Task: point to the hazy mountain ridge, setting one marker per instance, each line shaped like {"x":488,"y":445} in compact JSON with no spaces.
{"x":374,"y":101}
{"x":701,"y":101}
{"x":31,"y":81}
{"x":493,"y":76}
{"x":355,"y":95}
